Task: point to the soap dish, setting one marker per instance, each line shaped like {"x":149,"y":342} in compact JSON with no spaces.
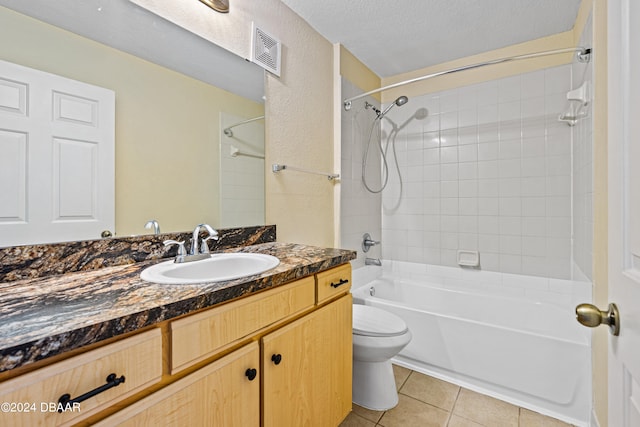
{"x":468,"y":258}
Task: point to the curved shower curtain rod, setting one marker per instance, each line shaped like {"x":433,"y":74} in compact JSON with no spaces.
{"x":227,"y":131}
{"x":584,"y":55}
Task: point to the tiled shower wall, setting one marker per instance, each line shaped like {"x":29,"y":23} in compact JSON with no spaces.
{"x":488,"y":169}
{"x":583,"y":170}
{"x":241,"y":176}
{"x":361,"y":210}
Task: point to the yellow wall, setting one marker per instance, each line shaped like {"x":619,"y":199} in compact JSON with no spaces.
{"x":299,"y":108}
{"x":600,"y":206}
{"x":600,"y":336}
{"x":492,"y":72}
{"x":167,"y":124}
{"x":357,"y":73}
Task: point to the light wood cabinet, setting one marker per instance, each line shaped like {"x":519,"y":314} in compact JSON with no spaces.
{"x":138,"y":359}
{"x":223,"y":393}
{"x":214,"y":368}
{"x":333,"y":282}
{"x":307,"y":369}
{"x":195,"y":338}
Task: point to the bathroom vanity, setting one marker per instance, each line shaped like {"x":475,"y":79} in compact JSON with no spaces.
{"x":271,"y":350}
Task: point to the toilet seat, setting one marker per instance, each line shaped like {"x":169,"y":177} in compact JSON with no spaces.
{"x":373,"y":322}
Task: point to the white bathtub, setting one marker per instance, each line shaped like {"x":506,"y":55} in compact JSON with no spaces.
{"x":516,"y":348}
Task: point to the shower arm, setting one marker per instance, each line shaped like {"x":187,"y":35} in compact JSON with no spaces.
{"x":584,"y":55}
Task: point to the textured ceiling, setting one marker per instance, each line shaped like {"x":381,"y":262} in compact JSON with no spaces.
{"x":393,"y":37}
{"x":390,"y":37}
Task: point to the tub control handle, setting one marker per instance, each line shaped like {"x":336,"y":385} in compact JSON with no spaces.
{"x":367,"y":242}
{"x":276,"y":359}
{"x":251,"y":374}
{"x":591,"y":316}
{"x":340,"y":283}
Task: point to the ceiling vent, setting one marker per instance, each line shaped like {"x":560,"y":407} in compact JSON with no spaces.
{"x":265,"y":50}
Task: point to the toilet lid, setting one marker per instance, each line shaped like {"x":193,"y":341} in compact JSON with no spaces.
{"x":374,"y":322}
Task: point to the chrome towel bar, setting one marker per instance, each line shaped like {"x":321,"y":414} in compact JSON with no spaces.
{"x":277,"y":168}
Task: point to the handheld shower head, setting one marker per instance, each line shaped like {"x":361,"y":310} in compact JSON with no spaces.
{"x":399,"y":102}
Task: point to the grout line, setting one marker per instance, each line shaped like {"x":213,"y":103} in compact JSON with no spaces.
{"x":455,"y":401}
{"x":450,"y":413}
{"x":449,"y":419}
{"x":405,"y":380}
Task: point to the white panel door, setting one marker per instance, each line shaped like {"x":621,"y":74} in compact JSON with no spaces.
{"x":57,"y":159}
{"x":624,"y":210}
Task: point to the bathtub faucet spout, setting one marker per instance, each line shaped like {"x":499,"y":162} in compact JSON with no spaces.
{"x":372,"y":261}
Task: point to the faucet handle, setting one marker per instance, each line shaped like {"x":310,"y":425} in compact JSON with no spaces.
{"x":181,"y":250}
{"x":367,"y":242}
{"x":204,"y":247}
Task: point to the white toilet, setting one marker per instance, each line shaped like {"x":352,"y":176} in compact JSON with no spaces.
{"x":377,"y":336}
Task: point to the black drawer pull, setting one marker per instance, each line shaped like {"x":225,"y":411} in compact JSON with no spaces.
{"x":340,"y":283}
{"x":251,"y":374}
{"x":112,"y":381}
{"x":276,"y":358}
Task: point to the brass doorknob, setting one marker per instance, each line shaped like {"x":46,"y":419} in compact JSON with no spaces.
{"x":591,"y":316}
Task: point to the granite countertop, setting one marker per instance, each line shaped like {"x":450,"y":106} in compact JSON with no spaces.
{"x":43,"y":317}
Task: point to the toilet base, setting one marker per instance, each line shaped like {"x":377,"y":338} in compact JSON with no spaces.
{"x":374,"y":386}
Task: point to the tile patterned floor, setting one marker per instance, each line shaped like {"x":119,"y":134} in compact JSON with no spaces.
{"x":425,"y":401}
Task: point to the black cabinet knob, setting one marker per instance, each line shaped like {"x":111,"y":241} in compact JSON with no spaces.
{"x":251,"y":374}
{"x":276,"y":358}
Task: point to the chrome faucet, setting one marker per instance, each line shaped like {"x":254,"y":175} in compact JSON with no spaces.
{"x":367,"y":242}
{"x":204,"y":247}
{"x":199,"y":249}
{"x":153,"y":224}
{"x":182,"y":253}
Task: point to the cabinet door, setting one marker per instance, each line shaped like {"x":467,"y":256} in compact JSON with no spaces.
{"x":307,"y":369}
{"x":223,"y":393}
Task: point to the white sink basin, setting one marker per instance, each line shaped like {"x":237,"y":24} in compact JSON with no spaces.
{"x":218,"y":268}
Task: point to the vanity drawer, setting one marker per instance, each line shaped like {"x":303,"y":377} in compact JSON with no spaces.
{"x":200,"y":336}
{"x":36,"y":395}
{"x":220,"y":394}
{"x":334,"y":282}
